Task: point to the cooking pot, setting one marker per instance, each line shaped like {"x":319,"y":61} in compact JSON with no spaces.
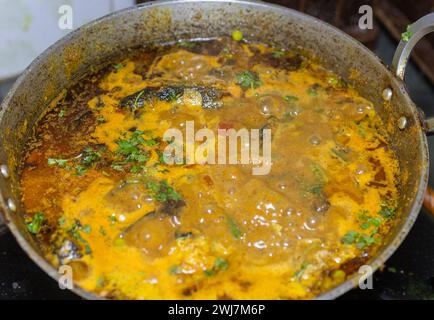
{"x":97,"y":43}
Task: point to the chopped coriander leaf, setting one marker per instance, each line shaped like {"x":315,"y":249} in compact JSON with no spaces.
{"x":248,"y":80}
{"x":316,"y":190}
{"x":220,"y":264}
{"x":350,"y":237}
{"x":153,"y":186}
{"x":131,"y":150}
{"x":365,"y":225}
{"x":237,"y":35}
{"x":318,"y":172}
{"x":376,"y":222}
{"x":163,"y":192}
{"x":57,"y":162}
{"x":361,"y":130}
{"x":90,"y":156}
{"x":364,"y":241}
{"x":87,"y":248}
{"x":80,"y":170}
{"x":360,"y":240}
{"x":118,"y":66}
{"x":341,"y":155}
{"x":151,"y":142}
{"x":87,"y":229}
{"x":407,"y":34}
{"x":137,"y":169}
{"x":387,"y":212}
{"x":233,"y":227}
{"x":61,"y":113}
{"x":74,"y":231}
{"x":36,"y":224}
{"x":209,"y":273}
{"x":368,"y":221}
{"x":61,"y":221}
{"x":289,"y":98}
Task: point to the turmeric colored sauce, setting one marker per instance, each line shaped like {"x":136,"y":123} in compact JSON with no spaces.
{"x":99,"y":198}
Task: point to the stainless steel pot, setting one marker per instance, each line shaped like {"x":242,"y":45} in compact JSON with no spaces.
{"x":98,"y":42}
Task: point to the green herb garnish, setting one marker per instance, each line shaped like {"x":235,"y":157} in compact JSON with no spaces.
{"x":350,"y":237}
{"x":118,"y":66}
{"x":61,"y":221}
{"x":87,"y":229}
{"x":289,"y":98}
{"x":80,"y":170}
{"x":36,"y":224}
{"x":233,"y":228}
{"x":387,"y":212}
{"x":57,"y":162}
{"x":163,"y":192}
{"x":341,"y":155}
{"x":74,"y":231}
{"x":220,"y":264}
{"x":248,"y":80}
{"x":90,"y":156}
{"x":407,"y":35}
{"x":360,"y":240}
{"x":131,"y":150}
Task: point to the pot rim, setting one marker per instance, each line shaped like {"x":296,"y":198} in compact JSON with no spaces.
{"x":344,"y":287}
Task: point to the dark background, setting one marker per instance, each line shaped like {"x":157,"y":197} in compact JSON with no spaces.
{"x":409,"y":274}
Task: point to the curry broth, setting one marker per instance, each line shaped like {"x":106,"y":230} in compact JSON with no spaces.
{"x":99,"y":197}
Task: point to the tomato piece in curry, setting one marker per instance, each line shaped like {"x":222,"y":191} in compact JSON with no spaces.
{"x":99,"y":197}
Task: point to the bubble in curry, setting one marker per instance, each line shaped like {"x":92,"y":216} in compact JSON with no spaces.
{"x":100,"y":198}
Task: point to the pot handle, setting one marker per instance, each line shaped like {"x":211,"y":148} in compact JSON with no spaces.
{"x":415,"y":32}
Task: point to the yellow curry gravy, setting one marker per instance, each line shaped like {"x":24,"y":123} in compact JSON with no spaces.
{"x":100,"y":199}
